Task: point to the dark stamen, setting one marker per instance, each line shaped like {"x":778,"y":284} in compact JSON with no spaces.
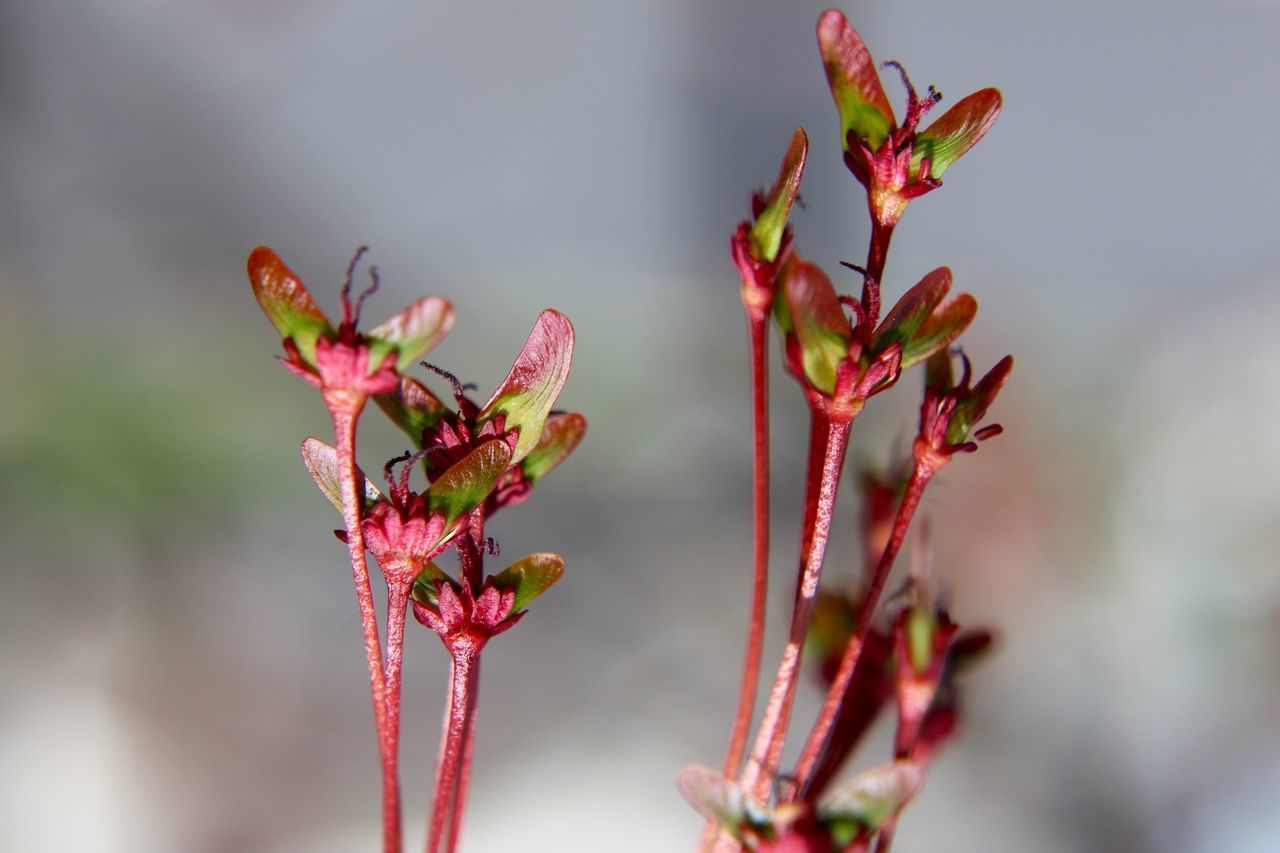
{"x":459,"y":390}
{"x":374,"y":281}
{"x":858,"y":268}
{"x":347,"y":317}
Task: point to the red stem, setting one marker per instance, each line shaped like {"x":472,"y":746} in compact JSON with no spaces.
{"x":448,"y":800}
{"x":756,"y":323}
{"x":397,"y":606}
{"x":351,"y":485}
{"x":468,"y":747}
{"x":885,"y":838}
{"x":877,"y":254}
{"x":819,"y":736}
{"x":767,"y":750}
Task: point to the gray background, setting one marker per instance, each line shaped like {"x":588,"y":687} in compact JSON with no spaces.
{"x":181,"y":662}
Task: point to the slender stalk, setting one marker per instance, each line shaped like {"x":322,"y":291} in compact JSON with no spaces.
{"x":767,"y":750}
{"x":468,"y":747}
{"x":445,"y":800}
{"x":397,"y":606}
{"x":821,"y":733}
{"x":877,"y":254}
{"x":351,"y":487}
{"x":756,"y":323}
{"x":884,"y":839}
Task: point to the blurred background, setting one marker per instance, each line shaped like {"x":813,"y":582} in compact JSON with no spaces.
{"x":180,"y":653}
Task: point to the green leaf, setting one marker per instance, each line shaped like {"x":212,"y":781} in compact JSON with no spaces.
{"x":561,"y":434}
{"x":909,"y":314}
{"x":938,"y":374}
{"x":973,"y":408}
{"x":530,"y":389}
{"x":719,"y":800}
{"x":867,"y":800}
{"x":469,"y":481}
{"x":530,"y":577}
{"x":955,"y":132}
{"x":412,"y":408}
{"x":286,"y":302}
{"x":921,"y":625}
{"x":424,"y":590}
{"x":944,"y":325}
{"x":855,"y":82}
{"x":322,"y":461}
{"x":412,"y":332}
{"x":809,"y":307}
{"x":766,"y":233}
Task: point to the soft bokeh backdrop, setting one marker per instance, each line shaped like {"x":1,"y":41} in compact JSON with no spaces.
{"x":180,"y":656}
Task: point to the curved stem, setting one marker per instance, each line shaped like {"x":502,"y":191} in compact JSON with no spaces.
{"x":767,"y":750}
{"x":351,"y":485}
{"x":445,"y":801}
{"x":821,"y":733}
{"x":756,"y":322}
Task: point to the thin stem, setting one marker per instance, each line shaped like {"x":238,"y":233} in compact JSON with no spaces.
{"x":397,"y":606}
{"x":877,"y":254}
{"x":352,"y":489}
{"x":821,"y":733}
{"x":767,"y":750}
{"x":885,"y":838}
{"x":445,"y":800}
{"x":468,"y":747}
{"x":756,"y":322}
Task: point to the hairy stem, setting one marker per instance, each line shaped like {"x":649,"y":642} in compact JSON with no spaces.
{"x":767,"y":750}
{"x":756,"y":322}
{"x":351,"y":485}
{"x":821,"y":733}
{"x":447,"y":804}
{"x":397,"y":606}
{"x":464,"y":769}
{"x":877,"y":254}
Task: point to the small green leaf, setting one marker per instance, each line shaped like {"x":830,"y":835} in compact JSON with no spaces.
{"x":424,"y":588}
{"x":948,"y":320}
{"x":955,"y":132}
{"x":530,"y":389}
{"x":973,"y":407}
{"x":809,"y":307}
{"x":322,"y":461}
{"x":719,"y":800}
{"x":561,"y":434}
{"x":413,"y":331}
{"x":469,"y":481}
{"x":855,"y":82}
{"x":938,"y":374}
{"x":921,"y":624}
{"x":766,"y":233}
{"x":286,"y":302}
{"x":530,"y":577}
{"x":909,"y":314}
{"x":867,"y":800}
{"x":413,"y":408}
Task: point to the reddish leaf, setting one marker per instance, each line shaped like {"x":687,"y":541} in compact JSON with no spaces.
{"x":973,"y":407}
{"x":956,"y":131}
{"x":944,"y":325}
{"x":855,"y":82}
{"x":809,"y":307}
{"x":560,"y":435}
{"x":413,"y":331}
{"x":466,"y":484}
{"x":872,"y":797}
{"x":286,"y":301}
{"x":909,"y":314}
{"x":530,"y":389}
{"x":412,"y":407}
{"x":322,"y":461}
{"x":530,"y":577}
{"x":766,"y":233}
{"x":718,"y":799}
